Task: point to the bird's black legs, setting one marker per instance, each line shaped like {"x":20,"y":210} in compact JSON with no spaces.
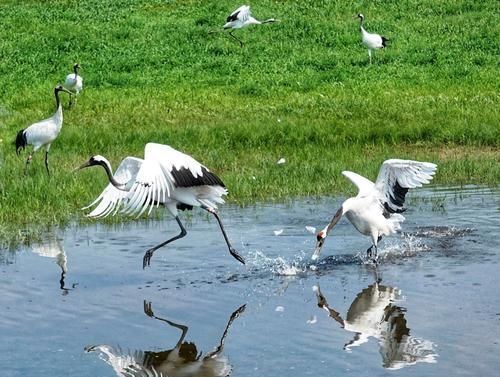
{"x":149,"y":312}
{"x":147,"y":257}
{"x":371,"y":254}
{"x":232,"y":250}
{"x":220,"y":346}
{"x":47,"y":162}
{"x":28,"y":161}
{"x":231,"y":34}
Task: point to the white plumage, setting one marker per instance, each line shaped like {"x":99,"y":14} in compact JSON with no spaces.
{"x":373,"y":313}
{"x":165,"y":176}
{"x":184,"y":360}
{"x":52,"y":248}
{"x":376,"y":210}
{"x":240,"y":18}
{"x":42,"y":133}
{"x":371,"y":40}
{"x":74,"y":82}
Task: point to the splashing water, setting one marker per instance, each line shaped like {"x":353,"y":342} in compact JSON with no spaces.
{"x":257,"y":260}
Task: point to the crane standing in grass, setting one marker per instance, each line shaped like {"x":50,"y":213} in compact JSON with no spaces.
{"x":74,"y":83}
{"x":376,"y":210}
{"x":370,"y":40}
{"x":165,"y":176}
{"x":42,"y":133}
{"x":242,"y":17}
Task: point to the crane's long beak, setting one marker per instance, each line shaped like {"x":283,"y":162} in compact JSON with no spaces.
{"x":82,"y":166}
{"x":319,"y":245}
{"x":66,"y":90}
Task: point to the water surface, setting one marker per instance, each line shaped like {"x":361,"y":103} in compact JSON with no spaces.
{"x":80,"y":304}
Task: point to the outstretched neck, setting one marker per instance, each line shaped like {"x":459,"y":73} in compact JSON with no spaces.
{"x":268,"y":21}
{"x":76,"y":71}
{"x":58,"y":116}
{"x":361,"y":25}
{"x":107,"y":167}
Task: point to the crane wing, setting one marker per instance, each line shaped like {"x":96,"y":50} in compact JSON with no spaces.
{"x":396,"y":177}
{"x":180,"y":169}
{"x":151,"y":186}
{"x":242,"y":14}
{"x":111,"y":199}
{"x":365,"y":186}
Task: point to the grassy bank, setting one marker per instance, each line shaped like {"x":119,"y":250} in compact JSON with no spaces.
{"x":301,"y":89}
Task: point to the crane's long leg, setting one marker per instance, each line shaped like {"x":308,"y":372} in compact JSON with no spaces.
{"x":147,"y":256}
{"x":149,"y":312}
{"x":370,"y":55}
{"x":220,"y":346}
{"x":47,"y":162}
{"x":239,"y":40}
{"x":232,"y":250}
{"x":28,"y":161}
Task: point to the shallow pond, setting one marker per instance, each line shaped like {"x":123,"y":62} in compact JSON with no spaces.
{"x":80,"y":304}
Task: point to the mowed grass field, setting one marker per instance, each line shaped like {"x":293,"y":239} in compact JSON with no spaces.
{"x":301,"y":89}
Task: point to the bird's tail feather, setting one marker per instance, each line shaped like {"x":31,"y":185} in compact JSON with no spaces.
{"x":21,"y":141}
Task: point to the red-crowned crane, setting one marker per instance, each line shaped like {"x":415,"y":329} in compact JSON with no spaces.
{"x":74,"y":83}
{"x":42,"y":133}
{"x":242,"y":17}
{"x":165,"y":176}
{"x":370,"y":40}
{"x":376,"y":210}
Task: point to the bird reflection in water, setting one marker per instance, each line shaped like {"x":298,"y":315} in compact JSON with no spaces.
{"x":374,"y":314}
{"x":52,"y":248}
{"x":181,"y":361}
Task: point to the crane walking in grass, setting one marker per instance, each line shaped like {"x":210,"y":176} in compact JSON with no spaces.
{"x":42,"y":133}
{"x":376,"y":210}
{"x":165,"y":176}
{"x":370,"y":40}
{"x":74,"y":83}
{"x":242,"y":17}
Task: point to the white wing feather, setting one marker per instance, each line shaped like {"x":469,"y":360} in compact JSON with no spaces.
{"x":170,"y":158}
{"x":243,"y":13}
{"x":111,"y":199}
{"x":150,"y":187}
{"x":407,"y":173}
{"x":365,"y":186}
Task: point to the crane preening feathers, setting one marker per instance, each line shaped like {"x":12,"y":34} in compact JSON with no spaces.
{"x":371,"y":40}
{"x":165,"y":176}
{"x":42,"y":133}
{"x":376,"y":210}
{"x":241,"y":18}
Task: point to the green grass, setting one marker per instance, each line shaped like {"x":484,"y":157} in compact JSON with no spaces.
{"x":300,"y":89}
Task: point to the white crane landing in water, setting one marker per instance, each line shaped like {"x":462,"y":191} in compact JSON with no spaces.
{"x":376,"y":210}
{"x":42,"y":133}
{"x":242,"y":17}
{"x":165,"y":176}
{"x":370,"y":40}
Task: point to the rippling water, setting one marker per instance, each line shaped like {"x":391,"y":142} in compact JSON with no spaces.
{"x":80,"y":304}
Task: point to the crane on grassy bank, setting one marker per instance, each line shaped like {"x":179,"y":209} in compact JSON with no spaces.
{"x":42,"y":133}
{"x":371,"y":40}
{"x":241,"y":18}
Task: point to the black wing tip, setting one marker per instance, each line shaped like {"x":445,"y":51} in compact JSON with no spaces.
{"x":20,"y":141}
{"x":184,"y":178}
{"x":233,"y":17}
{"x":384,"y":41}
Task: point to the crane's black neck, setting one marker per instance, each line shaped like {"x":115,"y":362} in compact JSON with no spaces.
{"x":112,"y":180}
{"x":75,"y":68}
{"x":58,"y":102}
